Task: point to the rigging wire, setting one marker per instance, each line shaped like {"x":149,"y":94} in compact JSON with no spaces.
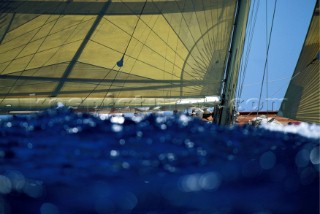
{"x":266,"y":61}
{"x":267,"y":70}
{"x":121,"y":61}
{"x":140,"y":51}
{"x":119,"y":64}
{"x":244,"y":63}
{"x":295,"y":75}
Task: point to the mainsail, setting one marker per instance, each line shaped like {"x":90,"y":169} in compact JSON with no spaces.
{"x":119,"y":53}
{"x":302,"y":99}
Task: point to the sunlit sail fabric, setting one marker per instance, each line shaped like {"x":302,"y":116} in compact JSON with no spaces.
{"x":112,"y":53}
{"x":302,"y":99}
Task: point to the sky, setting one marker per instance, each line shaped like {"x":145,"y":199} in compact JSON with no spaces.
{"x":289,"y":30}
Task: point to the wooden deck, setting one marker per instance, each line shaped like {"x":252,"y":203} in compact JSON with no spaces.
{"x":244,"y":117}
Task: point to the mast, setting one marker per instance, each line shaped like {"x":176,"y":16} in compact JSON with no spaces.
{"x":224,"y":114}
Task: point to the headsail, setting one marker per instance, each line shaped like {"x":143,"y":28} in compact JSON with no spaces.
{"x":302,"y":99}
{"x":103,"y":53}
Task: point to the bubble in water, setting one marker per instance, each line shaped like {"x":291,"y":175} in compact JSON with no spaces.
{"x":17,"y":179}
{"x":103,"y":116}
{"x":171,"y":157}
{"x":302,"y":158}
{"x":104,"y":205}
{"x":128,"y":201}
{"x":160,"y":119}
{"x":315,"y":155}
{"x":9,"y":124}
{"x":170,"y":168}
{"x":163,"y":126}
{"x":33,"y":189}
{"x":125,"y":165}
{"x":30,"y":145}
{"x":90,"y":122}
{"x":114,"y":153}
{"x":73,"y":130}
{"x":251,"y":169}
{"x":201,"y":129}
{"x":209,"y":181}
{"x":2,"y":154}
{"x":189,"y":144}
{"x":230,"y":157}
{"x":198,"y":182}
{"x":268,"y":160}
{"x":201,"y":152}
{"x":117,"y":119}
{"x":60,"y":105}
{"x":291,"y":184}
{"x":116,"y":128}
{"x":190,"y":183}
{"x":307,"y":176}
{"x":49,"y":208}
{"x":122,"y":142}
{"x":4,"y":207}
{"x":139,"y":133}
{"x":5,"y":185}
{"x":184,"y":119}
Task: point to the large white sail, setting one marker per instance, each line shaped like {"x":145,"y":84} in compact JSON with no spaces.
{"x":98,"y":53}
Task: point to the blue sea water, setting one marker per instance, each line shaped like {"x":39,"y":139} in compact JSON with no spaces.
{"x":59,"y":161}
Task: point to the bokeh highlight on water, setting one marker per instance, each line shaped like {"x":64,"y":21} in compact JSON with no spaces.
{"x":59,"y":161}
